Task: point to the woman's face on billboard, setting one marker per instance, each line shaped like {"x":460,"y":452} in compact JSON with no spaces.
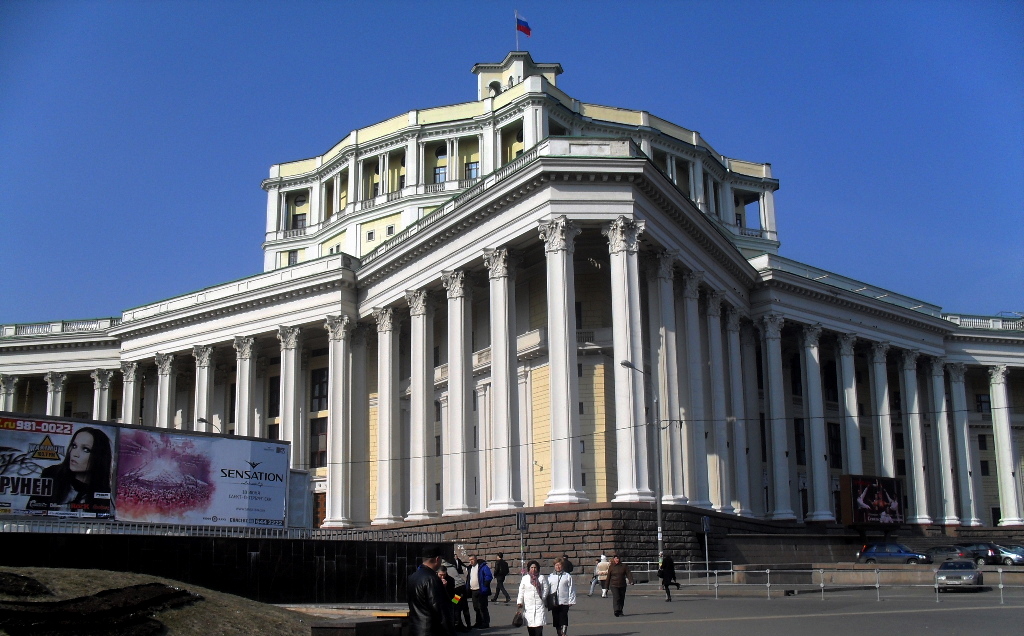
{"x":80,"y":452}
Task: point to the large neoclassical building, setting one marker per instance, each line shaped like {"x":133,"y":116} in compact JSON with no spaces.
{"x":504,"y":302}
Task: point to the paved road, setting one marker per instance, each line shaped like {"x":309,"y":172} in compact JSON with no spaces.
{"x":842,"y":613}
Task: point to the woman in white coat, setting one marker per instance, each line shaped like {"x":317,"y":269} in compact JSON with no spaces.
{"x":564,"y":590}
{"x":532,"y":590}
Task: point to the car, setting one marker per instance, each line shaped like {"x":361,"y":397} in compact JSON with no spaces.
{"x":1011,"y":554}
{"x":890,"y":553}
{"x":942,"y":553}
{"x":960,"y":573}
{"x":985,"y":553}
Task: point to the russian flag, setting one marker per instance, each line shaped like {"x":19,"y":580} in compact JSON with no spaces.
{"x":522,"y":25}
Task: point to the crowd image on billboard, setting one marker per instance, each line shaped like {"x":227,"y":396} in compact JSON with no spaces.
{"x":876,"y":500}
{"x":63,"y":469}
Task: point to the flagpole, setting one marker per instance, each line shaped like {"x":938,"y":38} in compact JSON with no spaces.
{"x":517,"y":30}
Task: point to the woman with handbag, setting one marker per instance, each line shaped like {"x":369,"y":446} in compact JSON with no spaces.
{"x":564,"y":592}
{"x":533,"y":589}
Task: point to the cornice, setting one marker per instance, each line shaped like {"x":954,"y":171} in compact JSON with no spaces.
{"x":989,"y":338}
{"x":50,"y":346}
{"x":185,"y":316}
{"x":840,"y":298}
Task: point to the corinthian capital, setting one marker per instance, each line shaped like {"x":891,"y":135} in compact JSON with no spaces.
{"x":997,"y":374}
{"x":623,"y":235}
{"x":202,"y":355}
{"x":129,"y":371}
{"x":455,"y":283}
{"x":715,"y":304}
{"x":812,"y":333}
{"x":337,"y":326}
{"x":879,"y":351}
{"x":910,"y":360}
{"x":383,"y":316}
{"x":663,"y":264}
{"x":846,"y":343}
{"x":101,"y":379}
{"x":559,"y":234}
{"x":501,"y":262}
{"x":288,"y":336}
{"x":164,"y":363}
{"x":55,"y":380}
{"x":938,"y":367}
{"x":691,"y":284}
{"x":956,"y":371}
{"x":243,"y":346}
{"x":773,"y":326}
{"x":732,"y":319}
{"x":8,"y":383}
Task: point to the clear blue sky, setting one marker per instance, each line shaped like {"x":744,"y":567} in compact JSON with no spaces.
{"x":134,"y":136}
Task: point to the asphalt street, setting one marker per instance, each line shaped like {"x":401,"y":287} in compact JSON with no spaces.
{"x":842,"y":613}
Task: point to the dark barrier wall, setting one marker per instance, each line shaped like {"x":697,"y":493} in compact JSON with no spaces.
{"x":266,"y":570}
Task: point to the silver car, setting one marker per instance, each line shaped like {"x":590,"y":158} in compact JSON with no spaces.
{"x":1011,"y":554}
{"x":958,"y":574}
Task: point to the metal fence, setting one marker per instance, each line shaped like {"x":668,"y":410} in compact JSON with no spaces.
{"x":181,"y":530}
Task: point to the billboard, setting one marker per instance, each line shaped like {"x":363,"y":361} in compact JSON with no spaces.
{"x":88,"y":470}
{"x":62,"y":469}
{"x":167,"y":477}
{"x":870,"y":500}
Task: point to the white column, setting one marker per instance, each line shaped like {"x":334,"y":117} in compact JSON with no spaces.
{"x":291,"y":399}
{"x":412,"y":162}
{"x":421,"y":404}
{"x":316,"y":203}
{"x":1009,"y":503}
{"x":758,"y":476}
{"x":273,"y":209}
{"x":55,"y":383}
{"x":101,"y":394}
{"x":388,"y":423}
{"x":204,"y":388}
{"x":630,"y":420}
{"x":165,"y":390}
{"x":851,"y":419}
{"x":385,"y":168}
{"x":964,"y":449}
{"x":130,"y":393}
{"x":354,"y":179}
{"x":360,"y":508}
{"x":768,"y":214}
{"x":501,"y":267}
{"x":558,"y":236}
{"x":938,"y":392}
{"x":665,"y":362}
{"x":820,"y":483}
{"x":339,"y":425}
{"x":722,"y":473}
{"x":727,"y":204}
{"x":918,"y":482}
{"x":244,"y":374}
{"x":883,"y":422}
{"x":697,"y":185}
{"x":460,"y":390}
{"x":738,"y":416}
{"x":8,"y":386}
{"x":777,"y":418}
{"x":694,"y":421}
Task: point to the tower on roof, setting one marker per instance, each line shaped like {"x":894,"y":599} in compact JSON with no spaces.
{"x":493,"y":79}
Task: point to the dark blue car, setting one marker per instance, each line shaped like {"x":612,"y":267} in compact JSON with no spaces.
{"x":890,"y":553}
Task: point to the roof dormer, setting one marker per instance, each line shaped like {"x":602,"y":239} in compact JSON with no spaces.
{"x":493,"y":79}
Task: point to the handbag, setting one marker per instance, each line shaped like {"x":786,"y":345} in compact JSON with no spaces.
{"x":517,"y":620}
{"x":551,"y":600}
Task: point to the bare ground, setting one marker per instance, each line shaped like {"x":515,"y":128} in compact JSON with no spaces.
{"x":218,"y":614}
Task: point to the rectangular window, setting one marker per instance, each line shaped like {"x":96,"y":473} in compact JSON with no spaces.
{"x":318,"y":385}
{"x":583,"y":446}
{"x":273,"y":397}
{"x":800,"y":441}
{"x":437,"y":359}
{"x":298,"y":221}
{"x":376,"y":189}
{"x":231,"y":404}
{"x":371,"y":236}
{"x":579,"y":315}
{"x":472,"y":169}
{"x":835,"y":446}
{"x":293,"y":257}
{"x":439,"y":174}
{"x":982,"y":442}
{"x":901,"y":467}
{"x":474,"y":436}
{"x":437,"y":491}
{"x":389,"y":230}
{"x":897,"y":440}
{"x":863,"y":443}
{"x":581,"y":408}
{"x":437,"y":411}
{"x":583,"y":479}
{"x":437,"y":445}
{"x":984,"y":468}
{"x":274,"y":431}
{"x":983,"y":402}
{"x":318,"y":442}
{"x":579,"y":370}
{"x":764,"y":440}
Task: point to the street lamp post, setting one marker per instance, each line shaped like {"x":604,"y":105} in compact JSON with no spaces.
{"x":659,"y":486}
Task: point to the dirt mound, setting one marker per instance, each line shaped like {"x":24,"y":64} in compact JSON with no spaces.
{"x":18,"y":585}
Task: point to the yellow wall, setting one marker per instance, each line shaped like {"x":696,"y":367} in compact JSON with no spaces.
{"x":283,"y":257}
{"x":469,"y":151}
{"x":395,"y":170}
{"x":510,"y":146}
{"x":384,"y":128}
{"x":593,"y":424}
{"x":538,"y":300}
{"x":608,"y":113}
{"x":343,"y":190}
{"x":431,"y":161}
{"x":337,"y":239}
{"x":541,"y":405}
{"x":297,"y":167}
{"x":449,"y":113}
{"x":293,"y":209}
{"x":379,"y":227}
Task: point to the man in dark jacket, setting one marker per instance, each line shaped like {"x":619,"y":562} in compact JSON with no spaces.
{"x":479,"y":584}
{"x":430,"y":611}
{"x":500,"y":572}
{"x":618,"y":576}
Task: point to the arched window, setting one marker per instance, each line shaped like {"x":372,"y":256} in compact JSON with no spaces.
{"x":495,"y":88}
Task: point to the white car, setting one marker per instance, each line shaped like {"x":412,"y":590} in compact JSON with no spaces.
{"x":958,"y":574}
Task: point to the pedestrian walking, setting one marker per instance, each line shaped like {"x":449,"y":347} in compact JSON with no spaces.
{"x":457,"y":573}
{"x":667,"y":574}
{"x":533,"y":588}
{"x":602,"y":574}
{"x":500,"y":572}
{"x":479,"y":585}
{"x":561,"y":585}
{"x":618,"y":576}
{"x":567,"y":564}
{"x":430,"y":609}
{"x":594,"y":580}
